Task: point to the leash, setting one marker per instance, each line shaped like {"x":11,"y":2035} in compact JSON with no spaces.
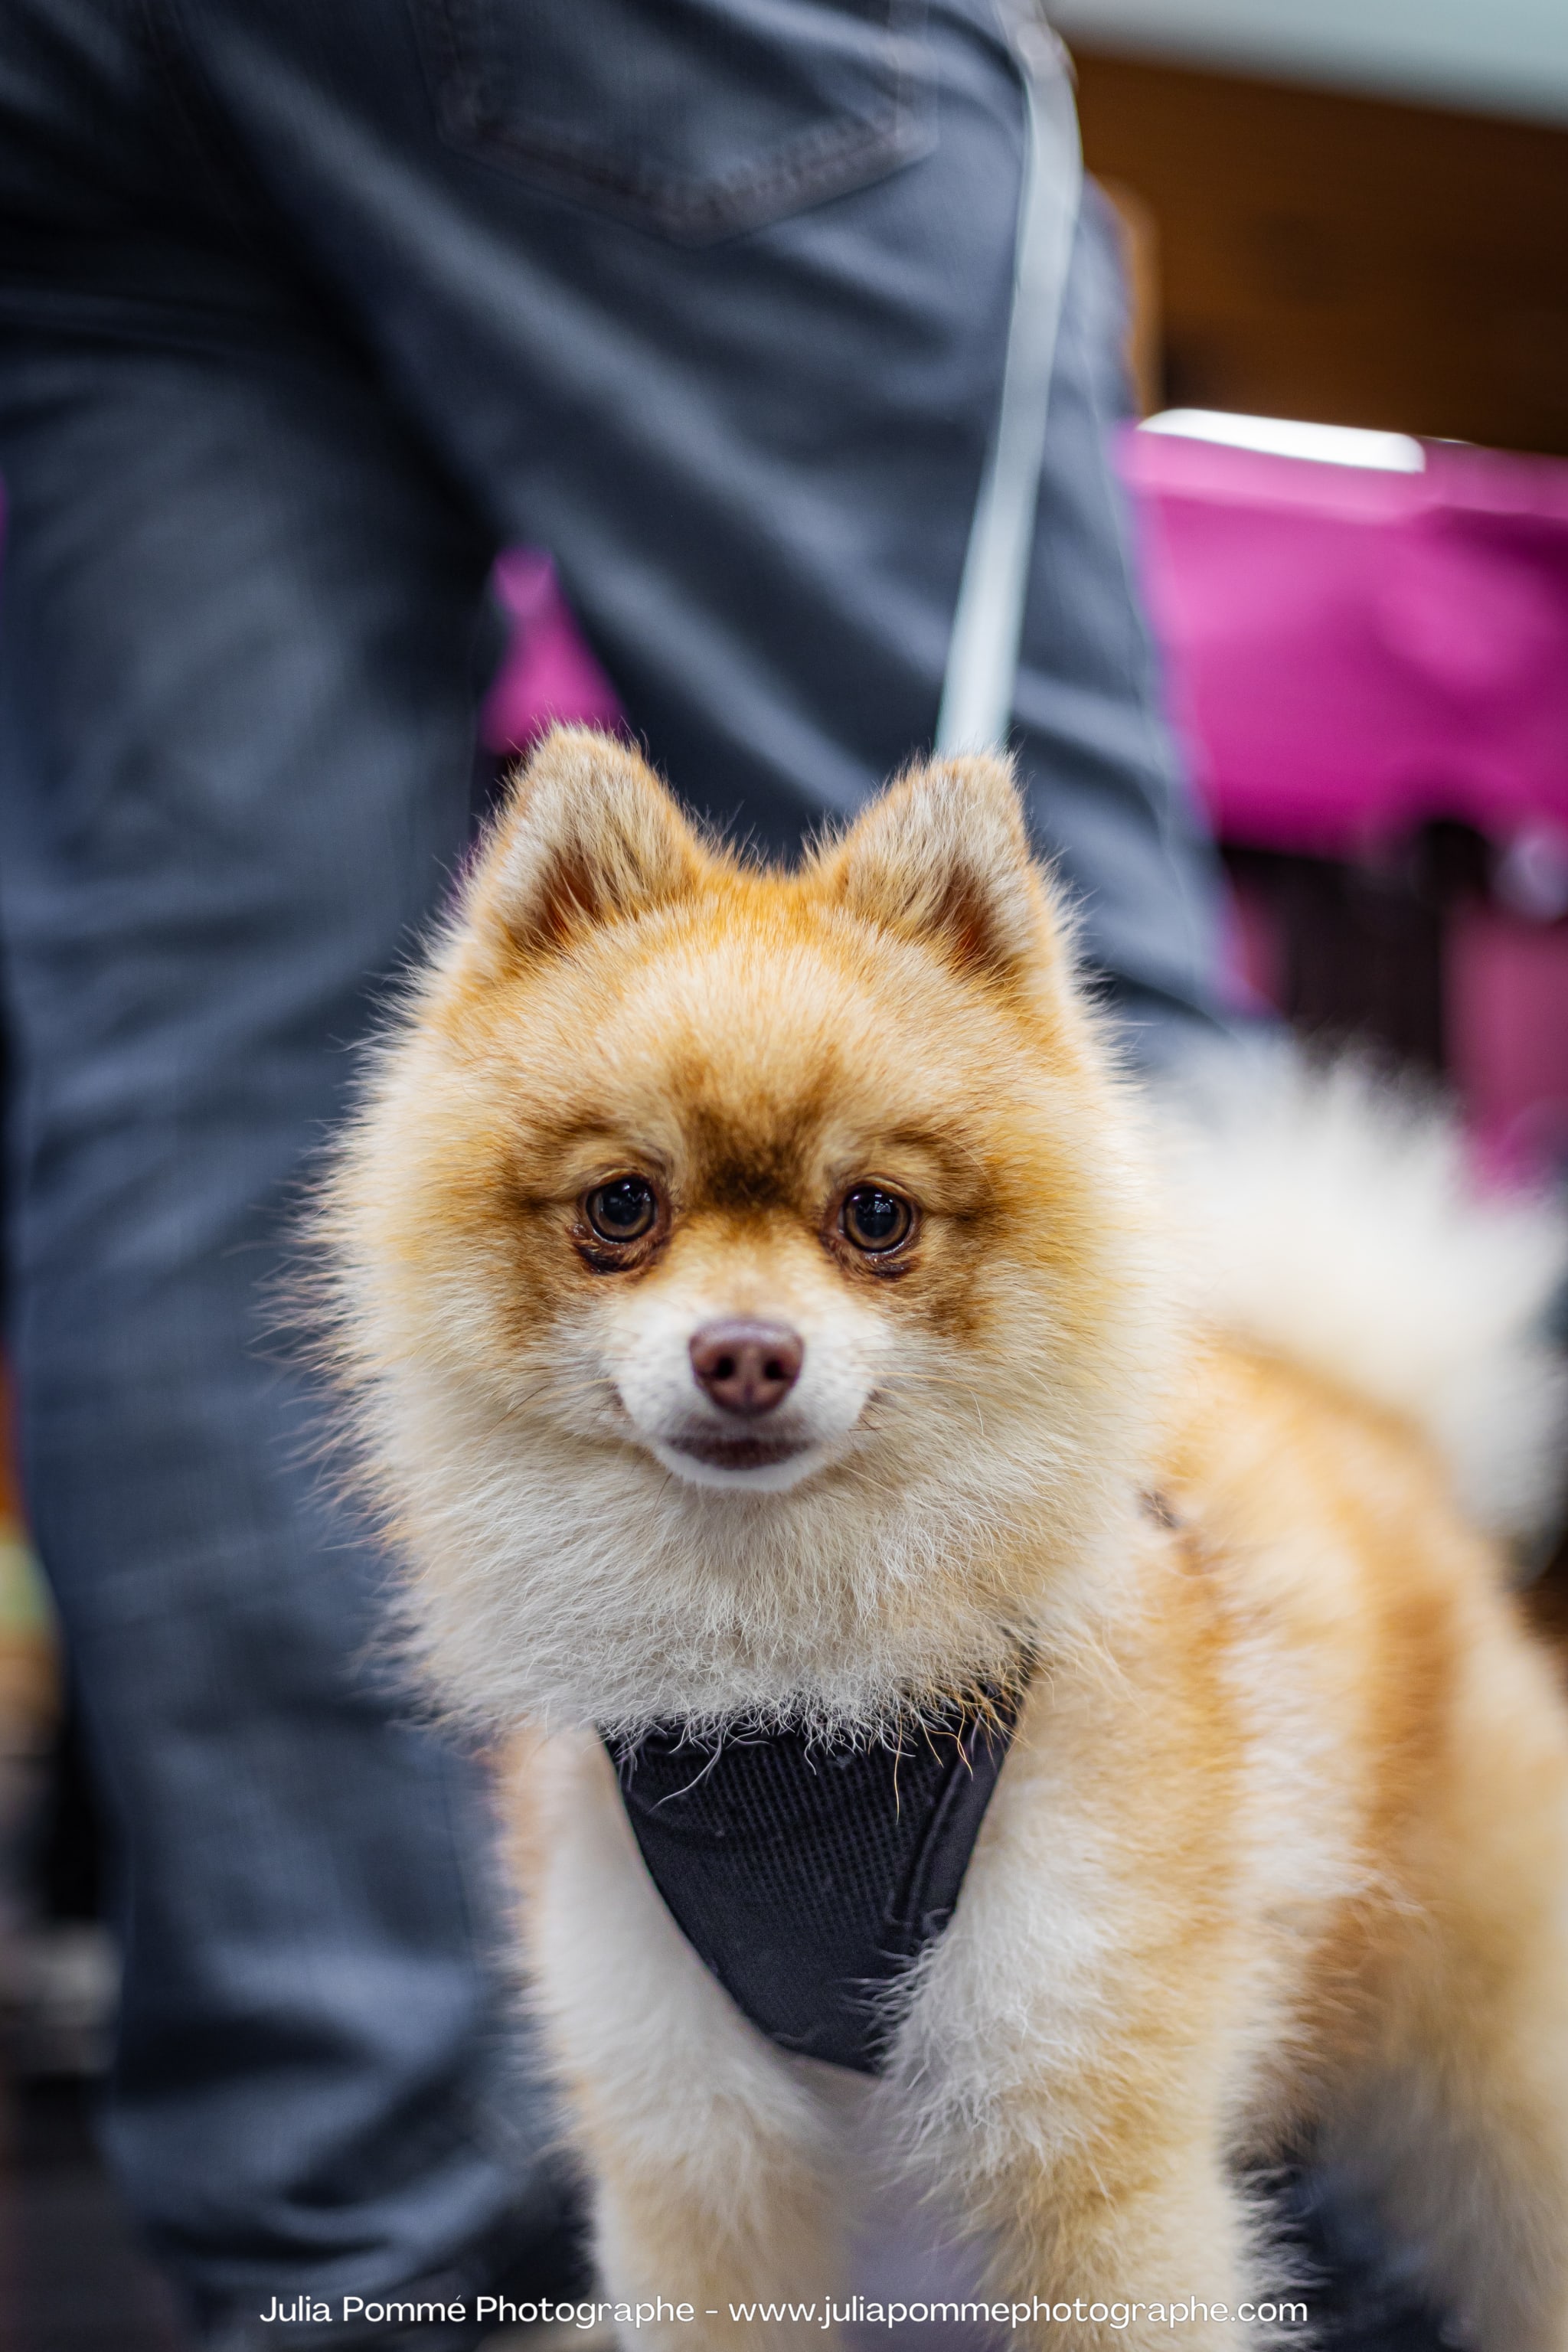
{"x":988,"y":620}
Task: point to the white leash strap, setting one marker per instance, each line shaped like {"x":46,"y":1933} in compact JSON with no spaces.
{"x":988,"y":624}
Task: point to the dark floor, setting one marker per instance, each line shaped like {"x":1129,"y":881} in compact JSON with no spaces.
{"x":72,"y":2278}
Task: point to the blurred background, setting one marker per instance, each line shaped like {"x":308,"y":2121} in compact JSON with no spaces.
{"x":1337,"y":213}
{"x":1358,"y":215}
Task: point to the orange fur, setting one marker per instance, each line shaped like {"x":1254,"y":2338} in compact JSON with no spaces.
{"x":1279,"y":1849}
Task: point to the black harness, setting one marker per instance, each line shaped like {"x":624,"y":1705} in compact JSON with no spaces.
{"x":810,"y":1876}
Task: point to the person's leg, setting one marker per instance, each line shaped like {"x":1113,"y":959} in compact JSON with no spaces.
{"x":236,"y":695}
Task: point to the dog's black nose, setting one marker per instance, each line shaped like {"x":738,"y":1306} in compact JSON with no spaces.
{"x":747,"y":1368}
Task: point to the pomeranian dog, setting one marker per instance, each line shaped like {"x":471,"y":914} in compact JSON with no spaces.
{"x":769,"y":1308}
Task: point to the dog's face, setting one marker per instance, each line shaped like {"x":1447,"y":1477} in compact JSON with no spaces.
{"x":741,"y":1224}
{"x":796,"y":1195}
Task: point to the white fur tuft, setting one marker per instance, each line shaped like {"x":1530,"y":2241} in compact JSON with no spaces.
{"x":1337,"y":1222}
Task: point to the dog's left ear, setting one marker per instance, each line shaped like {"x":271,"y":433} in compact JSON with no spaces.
{"x":944,"y":855}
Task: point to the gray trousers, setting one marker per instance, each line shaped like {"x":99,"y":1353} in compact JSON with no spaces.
{"x":306,"y":310}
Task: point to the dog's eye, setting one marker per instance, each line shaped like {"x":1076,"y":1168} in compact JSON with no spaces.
{"x":874,"y":1220}
{"x":623,"y":1210}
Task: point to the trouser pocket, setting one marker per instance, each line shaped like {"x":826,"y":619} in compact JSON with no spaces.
{"x":692,"y":118}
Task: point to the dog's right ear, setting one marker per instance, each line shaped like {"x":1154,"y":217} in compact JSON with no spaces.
{"x":590,"y":836}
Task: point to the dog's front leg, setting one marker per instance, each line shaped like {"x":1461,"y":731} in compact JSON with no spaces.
{"x":712,"y":2161}
{"x":1107,"y":2218}
{"x":1093,"y":2260}
{"x":1066,"y":2076}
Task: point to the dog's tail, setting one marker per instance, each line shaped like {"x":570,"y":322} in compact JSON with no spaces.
{"x":1337,"y":1222}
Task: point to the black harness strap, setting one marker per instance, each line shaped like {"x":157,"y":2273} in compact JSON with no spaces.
{"x":810,"y":1876}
